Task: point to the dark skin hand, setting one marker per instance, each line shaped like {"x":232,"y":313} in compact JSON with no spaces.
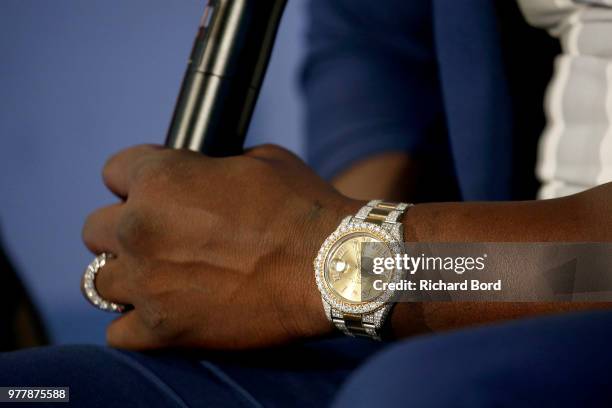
{"x":217,"y":253}
{"x":212,"y":253}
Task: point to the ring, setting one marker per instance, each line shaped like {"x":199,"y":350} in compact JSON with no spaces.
{"x":89,"y":286}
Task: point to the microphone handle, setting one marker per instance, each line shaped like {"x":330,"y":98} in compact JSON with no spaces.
{"x":228,"y":61}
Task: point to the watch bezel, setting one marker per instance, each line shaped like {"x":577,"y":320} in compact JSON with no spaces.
{"x":353,"y":227}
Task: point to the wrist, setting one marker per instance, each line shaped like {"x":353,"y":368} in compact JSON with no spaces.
{"x":350,"y":298}
{"x":322,"y":220}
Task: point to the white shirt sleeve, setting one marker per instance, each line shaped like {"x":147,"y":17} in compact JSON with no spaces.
{"x":575,"y":151}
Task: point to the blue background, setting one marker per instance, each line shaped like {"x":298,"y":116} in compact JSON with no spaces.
{"x":79,"y":81}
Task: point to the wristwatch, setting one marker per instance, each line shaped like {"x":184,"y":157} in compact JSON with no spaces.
{"x":351,"y":300}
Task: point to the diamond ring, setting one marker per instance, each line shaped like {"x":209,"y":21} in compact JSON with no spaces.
{"x":89,"y":285}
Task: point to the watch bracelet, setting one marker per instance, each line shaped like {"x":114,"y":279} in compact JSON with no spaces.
{"x":371,"y":325}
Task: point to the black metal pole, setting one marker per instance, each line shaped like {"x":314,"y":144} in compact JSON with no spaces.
{"x":226,"y":68}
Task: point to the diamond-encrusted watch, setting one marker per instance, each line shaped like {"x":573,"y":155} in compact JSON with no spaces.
{"x":350,"y":299}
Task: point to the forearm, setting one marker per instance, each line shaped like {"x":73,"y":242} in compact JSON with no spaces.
{"x":578,"y":218}
{"x":391,"y":176}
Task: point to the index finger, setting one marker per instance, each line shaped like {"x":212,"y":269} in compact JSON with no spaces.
{"x":119,"y":171}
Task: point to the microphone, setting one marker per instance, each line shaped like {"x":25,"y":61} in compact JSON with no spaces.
{"x":228,"y":61}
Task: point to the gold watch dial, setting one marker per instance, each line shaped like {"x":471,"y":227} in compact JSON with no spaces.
{"x":343,"y":267}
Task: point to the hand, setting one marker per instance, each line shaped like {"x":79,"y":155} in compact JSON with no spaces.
{"x":213,"y":252}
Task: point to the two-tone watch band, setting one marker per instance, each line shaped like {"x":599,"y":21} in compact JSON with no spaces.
{"x":360,"y":325}
{"x":382,"y":212}
{"x":378,"y":212}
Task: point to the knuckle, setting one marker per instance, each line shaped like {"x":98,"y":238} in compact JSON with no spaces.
{"x":156,"y":318}
{"x":250,"y":168}
{"x":271,"y":151}
{"x":134,"y":228}
{"x":149,"y":170}
{"x":157,"y":173}
{"x":160,"y":317}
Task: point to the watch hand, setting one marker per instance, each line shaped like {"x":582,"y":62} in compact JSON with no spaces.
{"x":357,"y":251}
